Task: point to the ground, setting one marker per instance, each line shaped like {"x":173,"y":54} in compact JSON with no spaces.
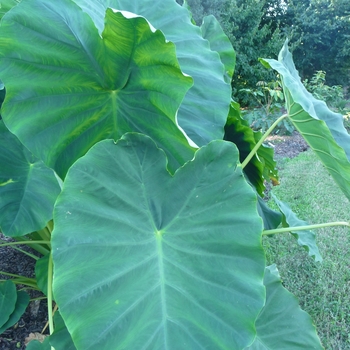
{"x":12,"y":261}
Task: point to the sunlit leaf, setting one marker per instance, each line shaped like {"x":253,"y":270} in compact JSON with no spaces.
{"x":69,"y":86}
{"x":196,"y":115}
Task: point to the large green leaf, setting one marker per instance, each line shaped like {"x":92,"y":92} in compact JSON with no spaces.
{"x":61,"y":339}
{"x":322,"y":129}
{"x":282,"y":324}
{"x":219,"y":42}
{"x":271,"y":218}
{"x":68,"y":86}
{"x":262,"y":166}
{"x":305,"y":238}
{"x":28,"y":189}
{"x":6,"y":5}
{"x":196,"y":116}
{"x":8,"y":297}
{"x":41,"y":267}
{"x":22,"y":302}
{"x":153,"y":261}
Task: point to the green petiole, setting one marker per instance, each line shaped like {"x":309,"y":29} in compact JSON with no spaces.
{"x":307,"y":227}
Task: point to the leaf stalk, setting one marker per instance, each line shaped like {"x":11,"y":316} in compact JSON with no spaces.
{"x":260,"y":142}
{"x":306,"y":227}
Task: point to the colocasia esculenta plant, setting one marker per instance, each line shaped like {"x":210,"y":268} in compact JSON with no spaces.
{"x":125,"y":163}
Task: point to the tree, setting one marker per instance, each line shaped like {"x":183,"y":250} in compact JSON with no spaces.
{"x":324,"y":31}
{"x":252,"y":36}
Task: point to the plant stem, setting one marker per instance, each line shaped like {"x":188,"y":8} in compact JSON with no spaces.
{"x":36,"y":245}
{"x":24,"y":242}
{"x":49,"y":293}
{"x":17,"y":279}
{"x":307,"y":227}
{"x":260,"y":142}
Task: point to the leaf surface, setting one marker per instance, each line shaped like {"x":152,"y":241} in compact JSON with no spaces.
{"x":219,"y":42}
{"x":282,"y":324}
{"x":322,"y":129}
{"x":22,"y":302}
{"x":8,"y":297}
{"x":262,"y":166}
{"x":69,"y":86}
{"x":168,"y":261}
{"x":196,"y":115}
{"x":28,"y":189}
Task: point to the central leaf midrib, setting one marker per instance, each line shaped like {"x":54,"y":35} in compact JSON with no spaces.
{"x":162,"y":287}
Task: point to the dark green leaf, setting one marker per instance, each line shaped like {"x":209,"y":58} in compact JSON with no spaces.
{"x":262,"y":166}
{"x":169,"y":262}
{"x":28,"y":189}
{"x":196,"y":115}
{"x":271,"y":218}
{"x":41,"y":270}
{"x":67,"y":86}
{"x":20,"y":306}
{"x":8,"y":297}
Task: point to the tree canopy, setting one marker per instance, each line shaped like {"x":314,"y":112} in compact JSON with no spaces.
{"x":318,"y":31}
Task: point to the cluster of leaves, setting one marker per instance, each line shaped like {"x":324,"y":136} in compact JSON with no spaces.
{"x":332,"y":95}
{"x":125,"y":162}
{"x":270,"y":98}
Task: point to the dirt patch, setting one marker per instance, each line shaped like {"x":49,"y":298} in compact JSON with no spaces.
{"x":287,"y":146}
{"x":35,"y":317}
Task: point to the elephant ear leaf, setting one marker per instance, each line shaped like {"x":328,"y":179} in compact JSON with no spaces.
{"x":28,"y":189}
{"x":12,"y":304}
{"x":196,"y":115}
{"x":262,"y":166}
{"x":322,"y":128}
{"x":219,"y":42}
{"x":282,"y":324}
{"x":68,"y":86}
{"x":159,"y":256}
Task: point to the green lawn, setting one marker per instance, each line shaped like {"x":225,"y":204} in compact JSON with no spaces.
{"x":323,"y":289}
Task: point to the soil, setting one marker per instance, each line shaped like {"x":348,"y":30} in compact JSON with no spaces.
{"x":287,"y":146}
{"x":13,"y":261}
{"x":35,"y":317}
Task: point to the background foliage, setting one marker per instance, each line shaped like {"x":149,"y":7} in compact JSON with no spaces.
{"x":318,"y":30}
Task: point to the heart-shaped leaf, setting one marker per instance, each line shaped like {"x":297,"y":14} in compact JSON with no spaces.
{"x":169,"y":262}
{"x":22,"y":302}
{"x":196,"y":115}
{"x":68,"y":86}
{"x":28,"y":189}
{"x":8,"y":297}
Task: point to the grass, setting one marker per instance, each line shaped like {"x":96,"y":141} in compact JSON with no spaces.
{"x":323,"y":289}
